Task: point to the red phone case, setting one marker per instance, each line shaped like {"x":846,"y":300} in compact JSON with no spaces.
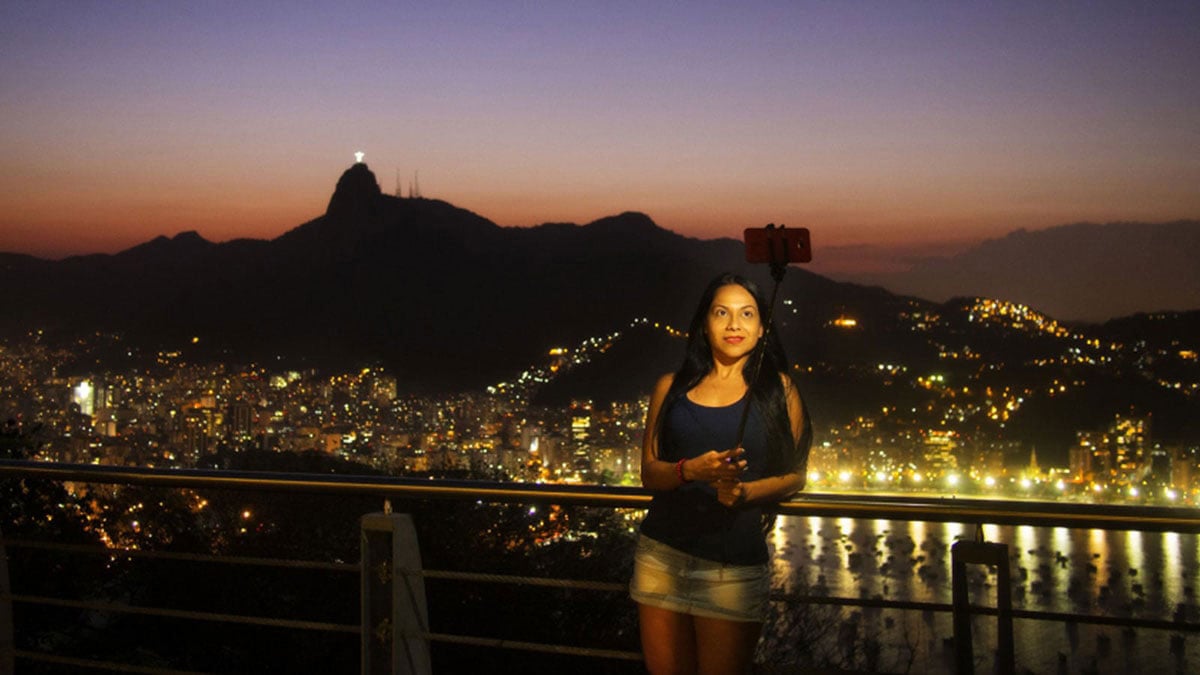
{"x":777,"y":244}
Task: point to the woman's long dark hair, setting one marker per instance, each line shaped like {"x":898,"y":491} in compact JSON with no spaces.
{"x":784,"y":453}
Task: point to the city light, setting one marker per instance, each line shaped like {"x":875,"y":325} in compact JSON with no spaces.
{"x":182,"y":415}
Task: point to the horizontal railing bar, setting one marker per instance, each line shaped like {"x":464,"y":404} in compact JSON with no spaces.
{"x":381,"y":486}
{"x":1033,"y":614}
{"x":498,"y":643}
{"x":440,"y":637}
{"x":882,"y":507}
{"x":1098,"y":619}
{"x":603,"y":586}
{"x":44,"y":657}
{"x":186,"y":614}
{"x":878,"y":603}
{"x":517,"y":580}
{"x":881,"y":603}
{"x":813,"y":599}
{"x":190,"y":557}
{"x":857,"y":506}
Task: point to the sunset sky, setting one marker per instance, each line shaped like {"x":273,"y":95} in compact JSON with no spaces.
{"x":887,"y":128}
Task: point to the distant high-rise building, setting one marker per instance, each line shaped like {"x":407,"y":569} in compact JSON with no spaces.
{"x":1130,"y":436}
{"x":1117,"y":453}
{"x":939,"y":452}
{"x":84,"y":396}
{"x":197,"y":432}
{"x":1082,"y":456}
{"x":1184,"y":462}
{"x":580,"y":424}
{"x":1158,"y":466}
{"x":240,"y":422}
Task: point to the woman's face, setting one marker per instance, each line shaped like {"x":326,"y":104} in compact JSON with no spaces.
{"x":733,"y":325}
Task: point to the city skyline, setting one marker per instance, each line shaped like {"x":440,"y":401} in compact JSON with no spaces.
{"x":896,"y":129}
{"x":907,"y":425}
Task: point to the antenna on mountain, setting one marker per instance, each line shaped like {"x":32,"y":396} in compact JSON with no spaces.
{"x":416,"y":185}
{"x":398,"y":194}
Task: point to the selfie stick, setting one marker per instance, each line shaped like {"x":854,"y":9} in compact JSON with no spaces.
{"x":779,"y":263}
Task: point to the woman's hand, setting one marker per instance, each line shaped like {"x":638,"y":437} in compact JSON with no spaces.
{"x":731,"y":492}
{"x":714,"y":466}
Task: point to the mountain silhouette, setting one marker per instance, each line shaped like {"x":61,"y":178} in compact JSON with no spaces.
{"x":447,"y":300}
{"x":442,"y":296}
{"x":1085,"y":271}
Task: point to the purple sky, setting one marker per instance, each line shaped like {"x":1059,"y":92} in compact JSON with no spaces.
{"x":884,"y":127}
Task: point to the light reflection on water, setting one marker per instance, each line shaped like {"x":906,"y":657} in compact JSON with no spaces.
{"x":1148,"y":575}
{"x":1172,"y":570}
{"x":849,"y":553}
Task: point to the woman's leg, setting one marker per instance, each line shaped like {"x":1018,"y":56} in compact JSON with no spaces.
{"x":668,"y":641}
{"x":725,"y":647}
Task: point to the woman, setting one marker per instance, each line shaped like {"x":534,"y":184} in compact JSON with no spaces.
{"x":700,"y":572}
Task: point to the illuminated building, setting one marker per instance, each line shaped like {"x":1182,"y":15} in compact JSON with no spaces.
{"x":1117,"y":453}
{"x":939,"y":452}
{"x":84,"y":396}
{"x":579,"y":426}
{"x":1129,"y":440}
{"x":240,"y":421}
{"x":1083,"y":456}
{"x":1184,"y":464}
{"x":383,"y":388}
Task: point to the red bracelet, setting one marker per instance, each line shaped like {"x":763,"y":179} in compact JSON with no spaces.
{"x":679,"y":471}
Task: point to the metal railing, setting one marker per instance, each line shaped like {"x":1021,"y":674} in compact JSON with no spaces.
{"x":976,"y":512}
{"x":892,"y":507}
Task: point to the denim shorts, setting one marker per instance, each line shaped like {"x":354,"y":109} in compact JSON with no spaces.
{"x":668,"y":578}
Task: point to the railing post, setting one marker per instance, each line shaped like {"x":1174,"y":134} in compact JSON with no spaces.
{"x":394,"y":614}
{"x":7,"y":644}
{"x":982,"y":553}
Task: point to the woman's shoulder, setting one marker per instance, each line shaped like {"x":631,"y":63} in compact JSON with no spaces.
{"x":790,"y":392}
{"x":788,"y":381}
{"x":663,"y":385}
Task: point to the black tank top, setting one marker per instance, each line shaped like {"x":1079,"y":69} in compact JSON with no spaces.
{"x":690,"y":518}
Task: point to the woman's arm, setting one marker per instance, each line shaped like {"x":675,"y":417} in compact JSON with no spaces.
{"x":658,"y":474}
{"x":762,"y":491}
{"x":772,"y":488}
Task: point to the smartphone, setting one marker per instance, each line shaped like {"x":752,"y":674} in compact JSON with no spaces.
{"x":780,"y":244}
